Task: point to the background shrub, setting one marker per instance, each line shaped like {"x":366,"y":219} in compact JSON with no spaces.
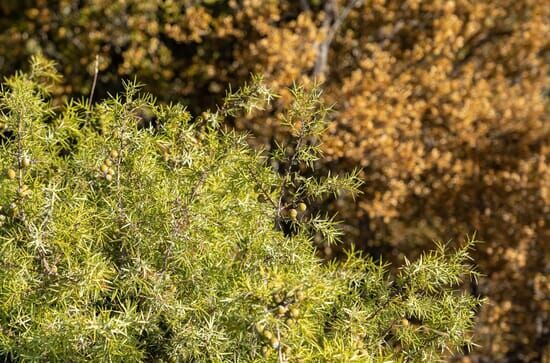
{"x":442,"y":103}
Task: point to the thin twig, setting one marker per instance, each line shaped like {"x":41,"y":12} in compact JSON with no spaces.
{"x":50,"y":270}
{"x":288,"y":170}
{"x":96,"y":71}
{"x":280,"y":353}
{"x":39,"y":234}
{"x":262,"y":189}
{"x":19,"y":150}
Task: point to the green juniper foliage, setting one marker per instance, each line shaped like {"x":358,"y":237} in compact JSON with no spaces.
{"x":128,"y":238}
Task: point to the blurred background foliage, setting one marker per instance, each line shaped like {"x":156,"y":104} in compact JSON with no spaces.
{"x":442,"y":104}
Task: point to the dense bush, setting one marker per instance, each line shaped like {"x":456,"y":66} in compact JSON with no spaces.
{"x":440,"y":102}
{"x":165,"y":238}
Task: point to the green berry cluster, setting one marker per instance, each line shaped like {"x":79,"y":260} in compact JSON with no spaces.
{"x":285,"y":312}
{"x":106,"y":169}
{"x":23,"y":190}
{"x":295,"y":211}
{"x":11,"y":211}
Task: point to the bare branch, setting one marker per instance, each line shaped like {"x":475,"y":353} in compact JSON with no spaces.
{"x":331,"y":25}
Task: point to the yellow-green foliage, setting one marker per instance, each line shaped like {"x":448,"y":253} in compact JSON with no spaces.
{"x":166,"y":238}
